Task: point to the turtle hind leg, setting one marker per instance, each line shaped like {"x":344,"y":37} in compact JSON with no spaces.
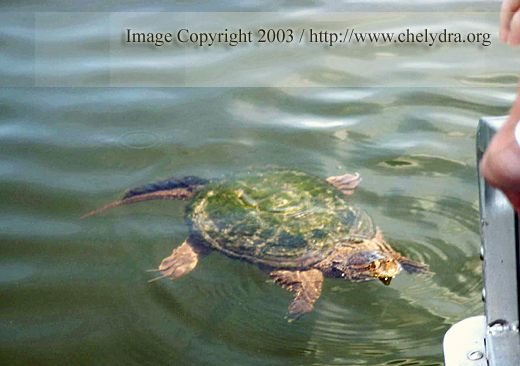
{"x":169,"y":189}
{"x":346,"y":183}
{"x":182,"y":260}
{"x":305,"y":285}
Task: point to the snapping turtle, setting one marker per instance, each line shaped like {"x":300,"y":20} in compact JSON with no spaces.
{"x":296,"y":226}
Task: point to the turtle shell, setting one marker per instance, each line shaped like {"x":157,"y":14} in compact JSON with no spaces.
{"x":276,"y":218}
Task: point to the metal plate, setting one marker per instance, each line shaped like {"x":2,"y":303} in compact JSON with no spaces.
{"x":464,"y":343}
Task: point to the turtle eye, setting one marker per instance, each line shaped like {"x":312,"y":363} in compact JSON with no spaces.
{"x":375,"y":264}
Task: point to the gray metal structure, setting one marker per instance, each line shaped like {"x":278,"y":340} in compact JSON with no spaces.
{"x":492,"y":339}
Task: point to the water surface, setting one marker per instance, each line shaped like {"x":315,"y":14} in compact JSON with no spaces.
{"x":75,"y":292}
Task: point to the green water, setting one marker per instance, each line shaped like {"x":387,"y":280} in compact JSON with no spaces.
{"x":75,"y":292}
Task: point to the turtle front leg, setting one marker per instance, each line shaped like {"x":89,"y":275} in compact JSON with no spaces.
{"x":411,"y":266}
{"x":182,"y":260}
{"x":346,"y":183}
{"x":305,"y":285}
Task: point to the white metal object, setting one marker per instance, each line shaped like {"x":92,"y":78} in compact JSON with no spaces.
{"x":464,"y":343}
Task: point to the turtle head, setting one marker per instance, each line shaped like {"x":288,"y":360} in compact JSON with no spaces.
{"x":367,"y":265}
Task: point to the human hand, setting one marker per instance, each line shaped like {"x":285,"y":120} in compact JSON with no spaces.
{"x":510,"y":22}
{"x":500,"y":164}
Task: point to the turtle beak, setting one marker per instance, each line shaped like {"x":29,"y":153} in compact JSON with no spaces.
{"x":386,"y":280}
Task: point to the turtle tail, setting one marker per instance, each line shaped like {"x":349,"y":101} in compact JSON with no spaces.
{"x":168,"y":189}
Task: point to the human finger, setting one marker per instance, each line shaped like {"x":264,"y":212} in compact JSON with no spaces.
{"x":500,"y":164}
{"x":514,"y":30}
{"x":508,"y":9}
{"x":514,"y":198}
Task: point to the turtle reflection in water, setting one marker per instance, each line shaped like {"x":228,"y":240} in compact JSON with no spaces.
{"x":296,"y":226}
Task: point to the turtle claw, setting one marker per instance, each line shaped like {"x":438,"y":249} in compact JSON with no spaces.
{"x":346,"y":183}
{"x":182,"y":260}
{"x":169,"y":268}
{"x":157,"y":278}
{"x":176,"y":266}
{"x":291,"y":318}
